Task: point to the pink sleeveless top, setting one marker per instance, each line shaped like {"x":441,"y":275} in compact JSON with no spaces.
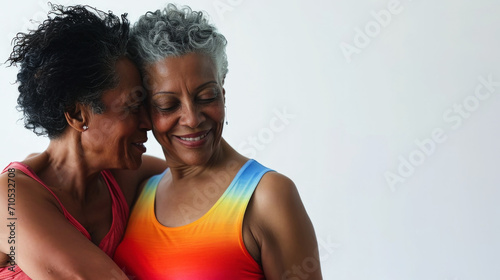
{"x":119,"y":208}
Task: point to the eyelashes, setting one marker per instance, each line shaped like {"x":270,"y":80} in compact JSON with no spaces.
{"x":170,"y":104}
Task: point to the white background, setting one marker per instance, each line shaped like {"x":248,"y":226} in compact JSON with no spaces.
{"x":339,"y":122}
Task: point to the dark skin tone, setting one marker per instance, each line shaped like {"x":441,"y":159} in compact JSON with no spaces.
{"x":47,"y":246}
{"x":187,"y":114}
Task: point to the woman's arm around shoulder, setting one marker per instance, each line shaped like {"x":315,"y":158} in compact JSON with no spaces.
{"x":45,"y":244}
{"x":283,"y":230}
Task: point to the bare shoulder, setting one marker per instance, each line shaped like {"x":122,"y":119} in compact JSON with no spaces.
{"x":19,"y":193}
{"x":23,"y":187}
{"x":276,"y":206}
{"x":276,"y":192}
{"x":281,"y":227}
{"x":18,"y":188}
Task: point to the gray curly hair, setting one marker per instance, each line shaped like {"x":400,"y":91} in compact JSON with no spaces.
{"x":176,"y":32}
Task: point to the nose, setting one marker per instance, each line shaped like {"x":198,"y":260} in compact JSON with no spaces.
{"x":144,"y":119}
{"x":191,"y":116}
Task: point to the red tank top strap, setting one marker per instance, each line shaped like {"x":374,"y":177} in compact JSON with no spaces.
{"x":120,"y":215}
{"x":116,"y":192}
{"x":29,"y":172}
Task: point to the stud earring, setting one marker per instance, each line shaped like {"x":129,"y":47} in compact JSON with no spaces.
{"x":85,"y":128}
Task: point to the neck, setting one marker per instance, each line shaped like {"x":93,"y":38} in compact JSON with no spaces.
{"x":220,"y":157}
{"x":65,"y":166}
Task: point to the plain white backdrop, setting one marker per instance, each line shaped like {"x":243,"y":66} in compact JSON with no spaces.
{"x":384,"y":113}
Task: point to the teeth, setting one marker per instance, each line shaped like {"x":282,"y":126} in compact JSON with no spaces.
{"x":139,"y":144}
{"x":194,"y":138}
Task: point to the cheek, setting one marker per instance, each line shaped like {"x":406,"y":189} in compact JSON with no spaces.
{"x":101,"y":130}
{"x":215,"y":112}
{"x":162,"y":123}
{"x":130,"y":125}
{"x":121,"y":130}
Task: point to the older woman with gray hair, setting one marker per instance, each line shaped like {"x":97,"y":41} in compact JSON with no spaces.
{"x":212,"y":214}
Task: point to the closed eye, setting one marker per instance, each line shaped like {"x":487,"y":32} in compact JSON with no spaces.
{"x":208,"y":95}
{"x":166,"y":107}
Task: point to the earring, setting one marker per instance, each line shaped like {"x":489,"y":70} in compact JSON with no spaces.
{"x":225,"y":114}
{"x":85,"y":128}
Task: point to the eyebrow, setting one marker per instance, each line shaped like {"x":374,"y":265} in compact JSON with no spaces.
{"x":198,"y":88}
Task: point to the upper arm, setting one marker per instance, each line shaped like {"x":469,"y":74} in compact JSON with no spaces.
{"x":45,"y":244}
{"x":130,"y":180}
{"x":288,"y":245}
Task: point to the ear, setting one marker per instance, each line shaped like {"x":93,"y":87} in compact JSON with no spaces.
{"x":78,"y":116}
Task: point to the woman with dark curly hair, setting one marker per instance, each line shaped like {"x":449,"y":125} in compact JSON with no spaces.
{"x":213,"y":214}
{"x":67,"y":206}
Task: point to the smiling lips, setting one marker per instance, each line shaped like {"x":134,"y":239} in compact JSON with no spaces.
{"x":193,"y":140}
{"x":140,"y":146}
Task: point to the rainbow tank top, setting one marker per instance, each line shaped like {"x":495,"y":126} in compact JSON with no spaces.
{"x":209,"y":248}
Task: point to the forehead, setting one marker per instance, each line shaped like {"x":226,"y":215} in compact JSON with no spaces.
{"x":129,"y":82}
{"x":186,"y":69}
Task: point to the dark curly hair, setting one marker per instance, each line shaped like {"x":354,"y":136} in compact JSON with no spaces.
{"x":70,"y":58}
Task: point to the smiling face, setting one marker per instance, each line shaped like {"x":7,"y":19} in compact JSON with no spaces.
{"x":186,"y":108}
{"x":116,"y":137}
